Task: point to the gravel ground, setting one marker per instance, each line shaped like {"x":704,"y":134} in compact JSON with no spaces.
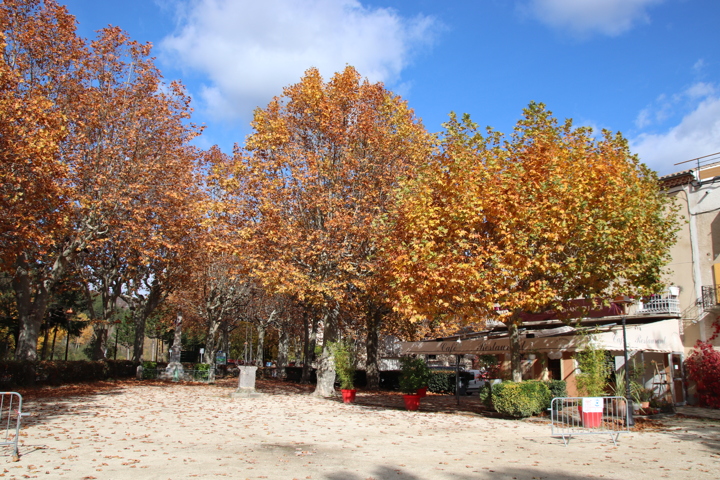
{"x":140,"y":430}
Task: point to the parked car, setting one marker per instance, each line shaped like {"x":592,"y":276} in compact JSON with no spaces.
{"x":475,"y":383}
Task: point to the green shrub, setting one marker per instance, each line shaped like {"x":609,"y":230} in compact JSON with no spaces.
{"x":594,"y":370}
{"x":414,"y":375}
{"x":541,"y":391}
{"x":558,"y":388}
{"x":485,"y":394}
{"x":343,"y":356}
{"x":443,"y":381}
{"x":149,"y":370}
{"x":520,"y":400}
{"x":202,"y":371}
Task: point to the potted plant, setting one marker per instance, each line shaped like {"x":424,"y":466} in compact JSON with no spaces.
{"x":344,"y":358}
{"x":592,"y":377}
{"x":414,"y":375}
{"x":619,"y":390}
{"x":641,"y":395}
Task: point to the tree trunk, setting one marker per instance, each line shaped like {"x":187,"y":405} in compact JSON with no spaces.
{"x":176,"y":348}
{"x":259,"y":356}
{"x":225,"y":344}
{"x":46,"y":338}
{"x":326,"y":365}
{"x":139,"y":341}
{"x":210,"y":343}
{"x":30,"y":311}
{"x":515,"y":365}
{"x":283,"y":348}
{"x":100,"y":345}
{"x":310,"y":341}
{"x":372,"y":344}
{"x":52,"y":350}
{"x":144,"y":307}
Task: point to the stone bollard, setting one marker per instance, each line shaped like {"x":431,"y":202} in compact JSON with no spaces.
{"x":246,"y":383}
{"x":139,"y":372}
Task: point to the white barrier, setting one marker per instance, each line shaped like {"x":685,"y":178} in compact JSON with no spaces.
{"x":10,"y":416}
{"x":571,"y":416}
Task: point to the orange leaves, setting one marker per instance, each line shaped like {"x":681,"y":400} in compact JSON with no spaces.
{"x":527,"y":222}
{"x":96,"y":154}
{"x":315,"y":177}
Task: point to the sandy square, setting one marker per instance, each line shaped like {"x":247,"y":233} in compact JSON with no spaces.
{"x":153,"y":430}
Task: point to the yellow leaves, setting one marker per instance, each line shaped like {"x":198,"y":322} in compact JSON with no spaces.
{"x":535,"y":204}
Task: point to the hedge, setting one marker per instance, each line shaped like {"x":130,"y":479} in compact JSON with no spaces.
{"x":522,"y":399}
{"x":23,"y":373}
{"x":558,"y":388}
{"x":444,"y":381}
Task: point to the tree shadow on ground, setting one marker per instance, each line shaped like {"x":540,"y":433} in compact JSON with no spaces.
{"x":42,"y":404}
{"x":388,"y":473}
{"x":700,"y":431}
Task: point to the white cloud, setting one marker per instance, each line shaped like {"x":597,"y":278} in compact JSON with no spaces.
{"x":250,"y":50}
{"x":583,"y":17}
{"x":697,"y":134}
{"x":665,"y":107}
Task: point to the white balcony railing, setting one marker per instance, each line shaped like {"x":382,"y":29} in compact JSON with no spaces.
{"x":660,"y":304}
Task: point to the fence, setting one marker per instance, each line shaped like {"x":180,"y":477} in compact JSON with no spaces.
{"x":175,"y":376}
{"x":571,"y":416}
{"x":10,"y":416}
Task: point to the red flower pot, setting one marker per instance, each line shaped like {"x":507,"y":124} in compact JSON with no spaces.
{"x":590,"y":419}
{"x":348,"y":395}
{"x":422,"y":391}
{"x":412,"y":402}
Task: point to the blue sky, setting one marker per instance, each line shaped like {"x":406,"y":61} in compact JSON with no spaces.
{"x":647,"y":68}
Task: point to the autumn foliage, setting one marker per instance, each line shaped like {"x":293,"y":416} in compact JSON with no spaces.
{"x":339,"y":213}
{"x":100,"y":180}
{"x":526,"y":223}
{"x":314,"y":179}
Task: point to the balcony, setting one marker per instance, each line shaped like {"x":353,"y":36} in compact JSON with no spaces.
{"x":709,"y":297}
{"x":660,"y":304}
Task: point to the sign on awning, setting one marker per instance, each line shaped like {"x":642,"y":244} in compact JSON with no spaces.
{"x":662,"y":336}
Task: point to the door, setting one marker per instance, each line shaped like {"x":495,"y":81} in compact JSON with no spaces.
{"x":678,"y":378}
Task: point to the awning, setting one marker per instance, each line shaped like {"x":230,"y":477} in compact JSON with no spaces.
{"x":662,"y":336}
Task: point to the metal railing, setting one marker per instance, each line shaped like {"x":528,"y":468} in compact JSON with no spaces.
{"x":660,"y":304}
{"x":571,"y":416}
{"x":709,"y":297}
{"x":10,"y":415}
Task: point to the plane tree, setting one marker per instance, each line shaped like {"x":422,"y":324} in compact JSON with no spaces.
{"x":103,"y":138}
{"x":309,"y":186}
{"x":497,"y":226}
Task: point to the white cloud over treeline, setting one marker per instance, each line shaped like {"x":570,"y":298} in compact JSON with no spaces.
{"x":250,"y":50}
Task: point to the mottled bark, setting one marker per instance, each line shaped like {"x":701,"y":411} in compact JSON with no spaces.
{"x":144,"y":306}
{"x":100,"y":341}
{"x":372,"y":344}
{"x":139,"y":342}
{"x":30,"y":308}
{"x":515,"y":364}
{"x":283,"y":348}
{"x":309,"y":346}
{"x":325,"y":386}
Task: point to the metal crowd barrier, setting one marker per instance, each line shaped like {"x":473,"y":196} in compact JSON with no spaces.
{"x":10,"y":415}
{"x":571,"y":416}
